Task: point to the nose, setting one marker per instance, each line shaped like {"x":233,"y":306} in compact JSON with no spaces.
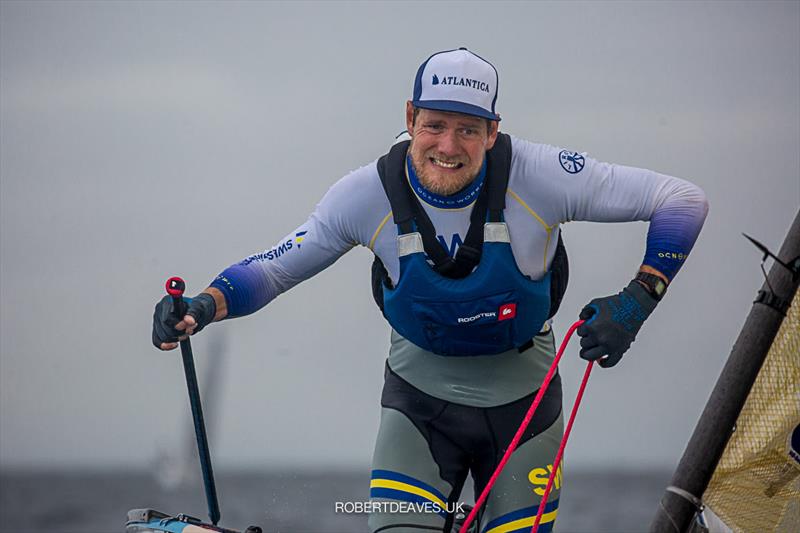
{"x":448,"y":143}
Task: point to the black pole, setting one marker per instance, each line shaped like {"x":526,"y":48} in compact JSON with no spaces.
{"x":679,"y":503}
{"x":175,"y":288}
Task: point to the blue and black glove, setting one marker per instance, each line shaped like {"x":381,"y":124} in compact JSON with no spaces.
{"x":202,"y":307}
{"x":612,"y":323}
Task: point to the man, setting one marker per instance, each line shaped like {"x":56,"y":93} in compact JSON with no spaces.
{"x":468,"y":278}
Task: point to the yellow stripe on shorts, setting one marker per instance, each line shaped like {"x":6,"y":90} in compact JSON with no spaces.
{"x":405,"y":487}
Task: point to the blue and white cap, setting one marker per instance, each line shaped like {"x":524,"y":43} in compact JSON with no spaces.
{"x":458,"y":81}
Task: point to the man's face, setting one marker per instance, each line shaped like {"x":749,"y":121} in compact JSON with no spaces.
{"x":447,"y":149}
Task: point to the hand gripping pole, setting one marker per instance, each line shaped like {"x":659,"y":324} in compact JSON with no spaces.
{"x":175,"y":288}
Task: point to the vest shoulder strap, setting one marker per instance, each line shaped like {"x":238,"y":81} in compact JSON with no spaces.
{"x":499,"y":166}
{"x":391,"y":170}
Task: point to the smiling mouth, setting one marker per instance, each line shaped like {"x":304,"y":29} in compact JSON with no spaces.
{"x":446,"y":164}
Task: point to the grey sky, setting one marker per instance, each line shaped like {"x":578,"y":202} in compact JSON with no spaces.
{"x":143,"y":140}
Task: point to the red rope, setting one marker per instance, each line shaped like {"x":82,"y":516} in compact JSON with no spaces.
{"x":525,"y":421}
{"x":563,"y":445}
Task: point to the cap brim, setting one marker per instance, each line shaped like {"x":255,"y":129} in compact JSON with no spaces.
{"x":455,"y":107}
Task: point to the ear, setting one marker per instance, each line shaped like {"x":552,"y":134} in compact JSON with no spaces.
{"x":410,"y":117}
{"x":494,"y":126}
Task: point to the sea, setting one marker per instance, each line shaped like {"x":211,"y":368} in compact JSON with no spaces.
{"x":592,"y":501}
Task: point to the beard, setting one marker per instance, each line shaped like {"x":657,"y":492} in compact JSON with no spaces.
{"x":437,"y":182}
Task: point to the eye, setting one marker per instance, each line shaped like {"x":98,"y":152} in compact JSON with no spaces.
{"x":469,"y":132}
{"x":433,"y":127}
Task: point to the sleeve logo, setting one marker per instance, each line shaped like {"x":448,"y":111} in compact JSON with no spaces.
{"x":572,"y":162}
{"x":298,"y":238}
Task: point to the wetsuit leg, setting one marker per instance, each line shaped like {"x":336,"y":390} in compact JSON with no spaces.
{"x":515,"y":497}
{"x":416,"y":462}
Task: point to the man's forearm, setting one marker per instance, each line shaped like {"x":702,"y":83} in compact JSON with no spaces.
{"x":219,"y":301}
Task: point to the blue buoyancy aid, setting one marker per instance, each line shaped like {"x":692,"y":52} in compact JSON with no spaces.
{"x":476,"y":303}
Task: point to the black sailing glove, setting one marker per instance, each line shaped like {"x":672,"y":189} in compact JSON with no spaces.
{"x":201,"y":307}
{"x":613,"y":322}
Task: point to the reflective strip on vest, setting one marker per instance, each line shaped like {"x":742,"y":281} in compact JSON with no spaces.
{"x":496,"y":232}
{"x":410,"y":243}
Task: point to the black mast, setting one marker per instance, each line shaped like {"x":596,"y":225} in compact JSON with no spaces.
{"x":682,"y":498}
